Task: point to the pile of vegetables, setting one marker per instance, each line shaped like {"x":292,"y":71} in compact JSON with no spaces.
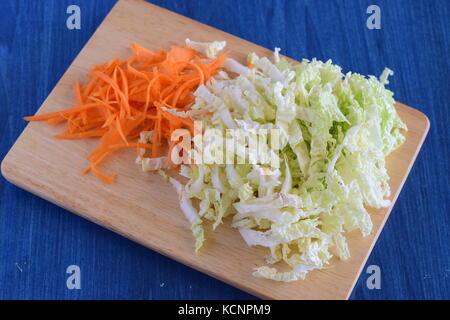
{"x":336,"y":131}
{"x":333,"y":132}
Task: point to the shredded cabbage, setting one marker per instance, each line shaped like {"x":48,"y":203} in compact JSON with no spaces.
{"x":210,"y":49}
{"x":335,"y":132}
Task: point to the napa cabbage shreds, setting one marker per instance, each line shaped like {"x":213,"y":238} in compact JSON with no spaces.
{"x":335,"y":131}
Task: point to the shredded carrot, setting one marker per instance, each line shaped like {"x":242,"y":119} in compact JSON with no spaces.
{"x":125,"y":97}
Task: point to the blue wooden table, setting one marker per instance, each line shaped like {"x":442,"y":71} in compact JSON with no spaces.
{"x":38,"y":240}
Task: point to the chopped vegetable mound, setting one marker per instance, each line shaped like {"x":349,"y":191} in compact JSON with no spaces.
{"x":335,"y":132}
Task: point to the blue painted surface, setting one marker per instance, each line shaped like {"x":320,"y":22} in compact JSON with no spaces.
{"x":39,"y":240}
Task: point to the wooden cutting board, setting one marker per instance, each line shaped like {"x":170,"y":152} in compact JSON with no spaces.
{"x":141,"y":206}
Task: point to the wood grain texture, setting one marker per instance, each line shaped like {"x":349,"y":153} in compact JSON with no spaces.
{"x":140,"y":206}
